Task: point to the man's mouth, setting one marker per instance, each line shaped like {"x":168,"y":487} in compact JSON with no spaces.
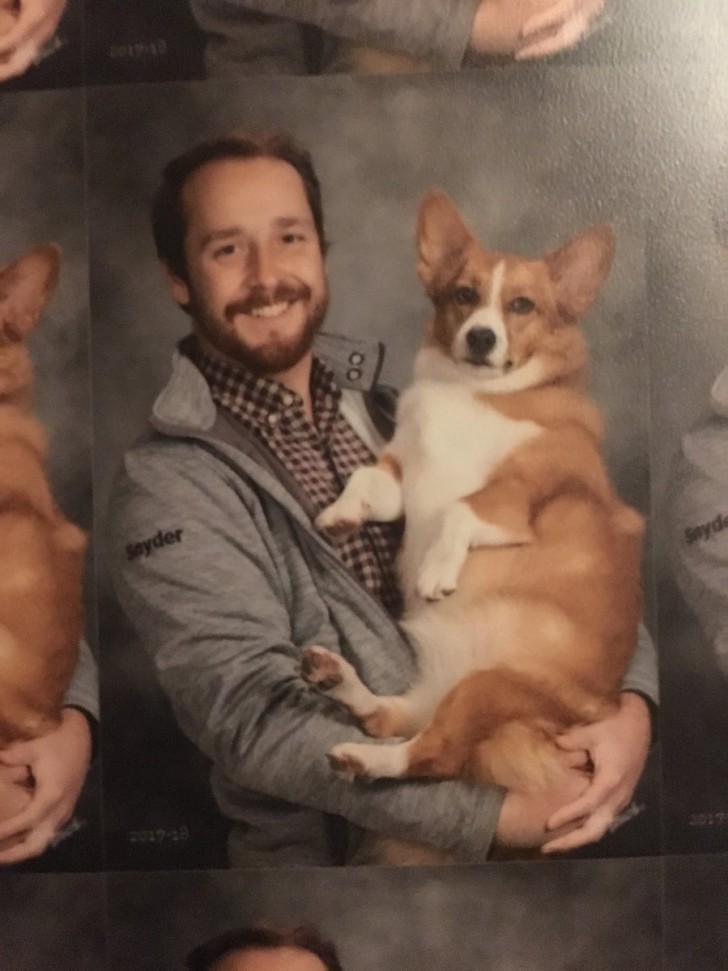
{"x":271,"y":309}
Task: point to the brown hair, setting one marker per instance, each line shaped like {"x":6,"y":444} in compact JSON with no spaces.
{"x":253,"y":938}
{"x":168,"y":216}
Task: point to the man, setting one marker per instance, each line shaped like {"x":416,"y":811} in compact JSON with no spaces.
{"x":275,"y":36}
{"x":265,"y":949}
{"x":52,"y":768}
{"x":218,"y":565}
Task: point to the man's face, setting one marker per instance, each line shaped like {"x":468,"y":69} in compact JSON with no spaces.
{"x":271,"y":959}
{"x":256,"y":284}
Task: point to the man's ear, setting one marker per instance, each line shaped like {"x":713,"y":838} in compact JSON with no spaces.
{"x":26,"y":287}
{"x":177,"y":287}
{"x":443,"y":241}
{"x":579,"y":268}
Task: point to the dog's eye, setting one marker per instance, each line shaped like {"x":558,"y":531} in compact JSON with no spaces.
{"x":465,"y":295}
{"x":521,"y":305}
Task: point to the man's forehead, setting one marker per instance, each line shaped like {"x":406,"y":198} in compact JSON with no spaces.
{"x":222,"y":184}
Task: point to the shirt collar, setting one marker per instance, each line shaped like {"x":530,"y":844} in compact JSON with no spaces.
{"x":254,"y":398}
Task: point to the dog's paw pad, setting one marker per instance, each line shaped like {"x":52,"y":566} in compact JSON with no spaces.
{"x":341,"y":518}
{"x":346,"y":764}
{"x":321,"y":668}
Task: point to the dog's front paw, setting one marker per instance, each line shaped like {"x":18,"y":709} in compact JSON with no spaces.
{"x":437,"y":578}
{"x":321,"y":668}
{"x":342,"y":517}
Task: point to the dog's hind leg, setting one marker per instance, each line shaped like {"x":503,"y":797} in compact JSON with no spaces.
{"x":479,"y":708}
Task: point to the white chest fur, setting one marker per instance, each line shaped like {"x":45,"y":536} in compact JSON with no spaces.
{"x":449,"y":444}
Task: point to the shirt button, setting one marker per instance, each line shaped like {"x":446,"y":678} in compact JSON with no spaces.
{"x":353,"y":374}
{"x":356,"y":358}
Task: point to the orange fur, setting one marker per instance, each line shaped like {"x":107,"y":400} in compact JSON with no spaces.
{"x":41,"y":553}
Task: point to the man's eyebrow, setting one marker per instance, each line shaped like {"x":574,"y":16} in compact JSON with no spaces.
{"x":286,"y":222}
{"x":219,"y":235}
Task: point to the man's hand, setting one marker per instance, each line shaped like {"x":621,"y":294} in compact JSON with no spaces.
{"x":56,"y":764}
{"x":618,"y":748}
{"x":531,"y":28}
{"x":25,"y":26}
{"x":524,"y":817}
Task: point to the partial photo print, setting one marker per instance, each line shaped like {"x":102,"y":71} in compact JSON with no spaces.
{"x":561,"y":915}
{"x":689,"y":355}
{"x":49,"y":778}
{"x":54,"y":920}
{"x":234,"y":632}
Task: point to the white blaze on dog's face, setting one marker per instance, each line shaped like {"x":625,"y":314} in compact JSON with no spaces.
{"x":496,"y":312}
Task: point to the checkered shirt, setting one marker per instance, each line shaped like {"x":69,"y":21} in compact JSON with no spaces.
{"x":320,"y":456}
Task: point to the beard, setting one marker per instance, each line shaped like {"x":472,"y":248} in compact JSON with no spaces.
{"x":278,"y":354}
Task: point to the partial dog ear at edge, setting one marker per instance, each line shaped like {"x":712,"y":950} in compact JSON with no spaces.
{"x":26,"y":286}
{"x":443,"y":240}
{"x":580,"y":267}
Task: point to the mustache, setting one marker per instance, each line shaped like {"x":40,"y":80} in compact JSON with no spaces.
{"x":266,"y":296}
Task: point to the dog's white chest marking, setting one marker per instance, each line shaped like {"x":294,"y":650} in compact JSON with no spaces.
{"x":448,"y":444}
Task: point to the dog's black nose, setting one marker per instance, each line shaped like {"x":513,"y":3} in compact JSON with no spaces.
{"x":481,"y":341}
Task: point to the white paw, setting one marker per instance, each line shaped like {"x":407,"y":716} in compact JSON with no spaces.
{"x":355,"y":760}
{"x":438,"y":576}
{"x":344,"y":516}
{"x":321,"y":668}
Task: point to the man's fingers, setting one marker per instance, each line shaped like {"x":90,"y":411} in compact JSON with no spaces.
{"x":594,"y":828}
{"x":599,"y":792}
{"x":547,"y":19}
{"x":567,"y":36}
{"x":19,"y":62}
{"x":35,"y":844}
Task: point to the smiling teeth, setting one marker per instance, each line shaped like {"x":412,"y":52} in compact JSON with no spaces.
{"x":271,"y":310}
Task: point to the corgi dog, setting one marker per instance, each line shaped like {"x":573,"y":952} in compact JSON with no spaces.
{"x":41,"y":553}
{"x":520,"y":565}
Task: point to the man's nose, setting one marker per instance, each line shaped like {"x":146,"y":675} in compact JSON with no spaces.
{"x":262,"y":265}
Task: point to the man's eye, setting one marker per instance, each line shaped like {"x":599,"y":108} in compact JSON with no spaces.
{"x":465,"y":295}
{"x":521,"y":305}
{"x":293,"y":237}
{"x":229,"y":249}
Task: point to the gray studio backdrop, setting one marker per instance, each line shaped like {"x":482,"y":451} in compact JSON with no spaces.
{"x":53,"y":922}
{"x":601,"y":915}
{"x":531,"y":156}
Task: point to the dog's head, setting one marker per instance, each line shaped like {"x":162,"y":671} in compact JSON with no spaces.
{"x":503,"y":322}
{"x":26,"y":287}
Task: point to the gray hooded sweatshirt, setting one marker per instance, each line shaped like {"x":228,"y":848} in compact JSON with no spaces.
{"x":266,"y":36}
{"x":224,"y":578}
{"x":697,"y":503}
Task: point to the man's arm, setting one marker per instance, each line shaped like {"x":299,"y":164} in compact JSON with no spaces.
{"x":437,"y":30}
{"x":214,"y":612}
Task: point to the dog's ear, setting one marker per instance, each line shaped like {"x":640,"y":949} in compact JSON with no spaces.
{"x":443,"y":241}
{"x":579,"y":268}
{"x":25,"y":288}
